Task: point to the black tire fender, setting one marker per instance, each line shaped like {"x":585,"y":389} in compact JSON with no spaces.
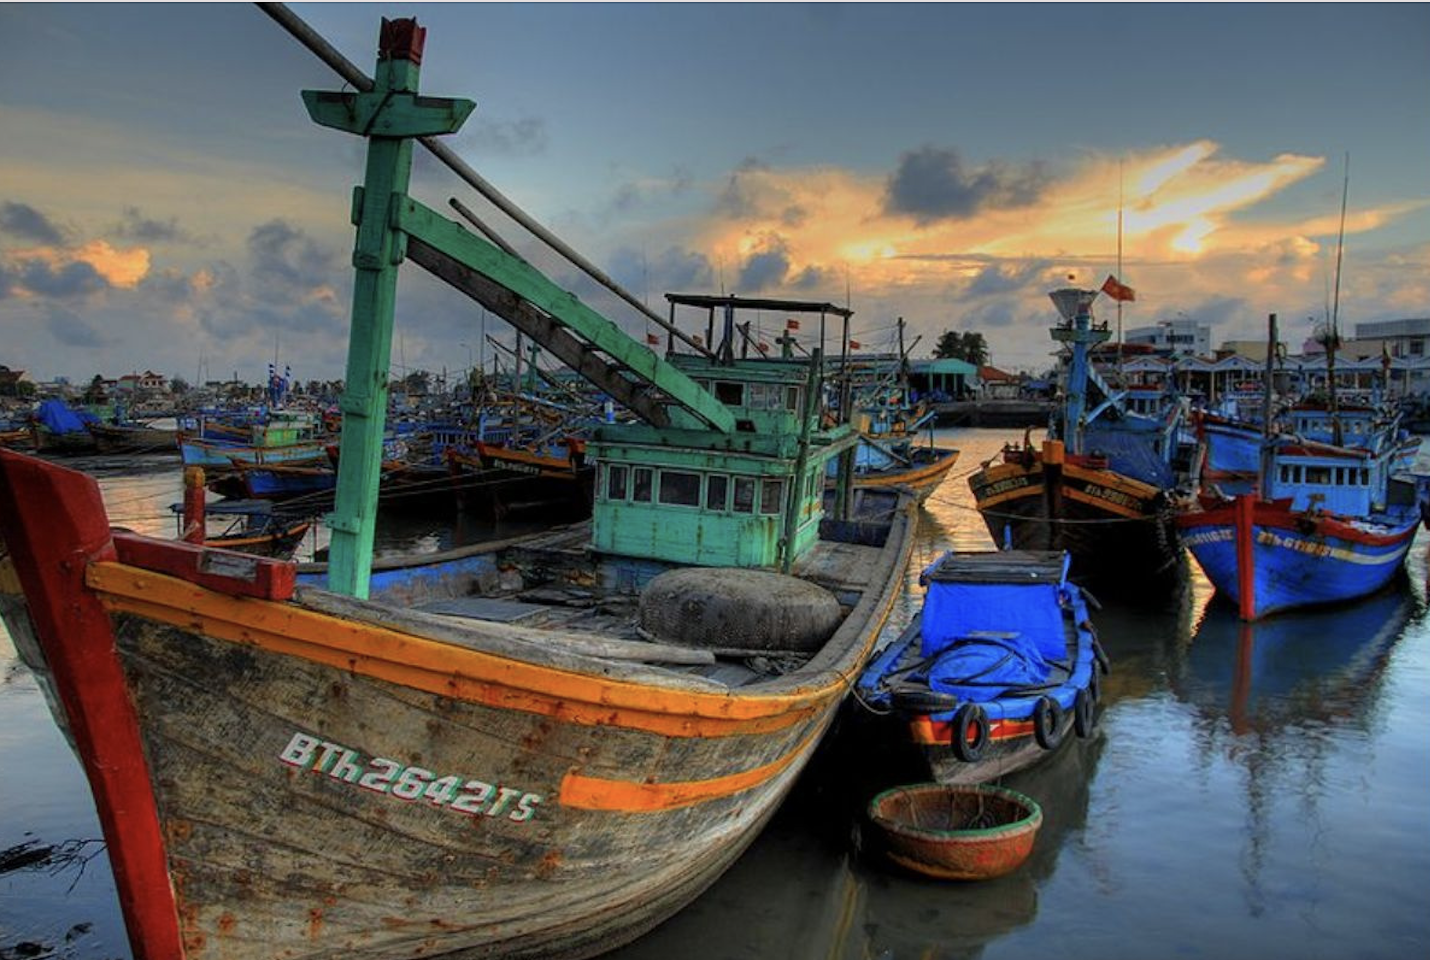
{"x":970,"y":732}
{"x":1084,"y":713}
{"x":1047,"y":722}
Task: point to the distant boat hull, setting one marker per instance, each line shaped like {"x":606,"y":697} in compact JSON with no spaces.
{"x":1266,"y":557}
{"x":1233,"y":448}
{"x":117,"y":438}
{"x":927,"y":468}
{"x":1120,"y":531}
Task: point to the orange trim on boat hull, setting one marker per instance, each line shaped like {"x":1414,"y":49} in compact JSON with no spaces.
{"x":939,"y":733}
{"x":445,"y":669}
{"x":624,"y":796}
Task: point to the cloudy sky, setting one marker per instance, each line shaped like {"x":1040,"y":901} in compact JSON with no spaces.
{"x":165,"y":203}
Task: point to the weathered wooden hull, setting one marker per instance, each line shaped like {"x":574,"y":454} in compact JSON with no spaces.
{"x":288,"y":772}
{"x":110,"y":438}
{"x":1120,"y":532}
{"x":929,"y":468}
{"x":502,"y":482}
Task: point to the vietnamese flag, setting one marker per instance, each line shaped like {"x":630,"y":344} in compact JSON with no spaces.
{"x":853,"y":344}
{"x":791,"y":324}
{"x":652,"y":339}
{"x":1118,"y":291}
{"x":762,"y":347}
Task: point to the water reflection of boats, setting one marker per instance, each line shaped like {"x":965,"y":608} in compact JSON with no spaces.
{"x":800,"y":893}
{"x":1296,"y":668}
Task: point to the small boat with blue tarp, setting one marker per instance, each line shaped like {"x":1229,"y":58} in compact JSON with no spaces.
{"x":999,"y":667}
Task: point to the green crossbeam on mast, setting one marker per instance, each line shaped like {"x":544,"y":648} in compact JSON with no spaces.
{"x":389,"y":115}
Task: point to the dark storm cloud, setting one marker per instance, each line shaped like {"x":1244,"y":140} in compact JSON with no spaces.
{"x":45,"y":280}
{"x":674,"y":269}
{"x":72,"y":330}
{"x":1003,"y":278}
{"x":736,"y":200}
{"x":814,"y":279}
{"x":136,"y":226}
{"x":24,"y":221}
{"x":286,"y":261}
{"x":933,"y":184}
{"x":764,"y":271}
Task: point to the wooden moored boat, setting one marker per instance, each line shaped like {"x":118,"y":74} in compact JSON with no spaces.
{"x":533,"y":749}
{"x":1103,"y":484}
{"x":1324,"y":523}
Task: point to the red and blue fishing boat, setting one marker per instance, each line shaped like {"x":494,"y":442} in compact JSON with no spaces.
{"x":1324,"y":522}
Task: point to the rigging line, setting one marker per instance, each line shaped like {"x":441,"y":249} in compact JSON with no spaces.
{"x":345,"y":69}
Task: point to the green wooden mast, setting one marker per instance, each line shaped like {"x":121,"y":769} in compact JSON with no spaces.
{"x":389,"y":115}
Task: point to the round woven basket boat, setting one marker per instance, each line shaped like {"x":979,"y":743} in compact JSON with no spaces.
{"x":956,"y":832}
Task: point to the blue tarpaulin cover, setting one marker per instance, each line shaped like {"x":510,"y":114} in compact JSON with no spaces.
{"x":993,"y":620}
{"x":58,"y":418}
{"x":985,"y":668}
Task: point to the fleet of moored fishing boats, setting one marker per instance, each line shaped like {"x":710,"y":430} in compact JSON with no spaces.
{"x":544,"y":746}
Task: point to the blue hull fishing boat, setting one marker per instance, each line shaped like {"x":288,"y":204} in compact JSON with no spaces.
{"x":1231,"y":448}
{"x":1325,"y":524}
{"x":1001,"y":665}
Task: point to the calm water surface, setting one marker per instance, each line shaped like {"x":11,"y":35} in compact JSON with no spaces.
{"x":1255,"y":792}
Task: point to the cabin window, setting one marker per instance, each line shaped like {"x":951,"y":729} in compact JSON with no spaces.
{"x":772,"y":494}
{"x":1318,"y":474}
{"x":680,"y":488}
{"x":1364,"y":477}
{"x":730,"y":394}
{"x":616,"y":477}
{"x":717,"y":491}
{"x":744,"y":495}
{"x":792,"y":398}
{"x":640,"y":485}
{"x":1285,"y":474}
{"x":764,"y":396}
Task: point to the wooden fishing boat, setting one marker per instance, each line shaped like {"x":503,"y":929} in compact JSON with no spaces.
{"x":1324,"y":523}
{"x":956,"y":833}
{"x":996,"y":671}
{"x":133,"y":437}
{"x":1330,"y":524}
{"x":504,"y":479}
{"x":922,"y":468}
{"x":1104,"y":483}
{"x":248,"y":526}
{"x":1232,"y":448}
{"x":56,"y":428}
{"x":535,"y":749}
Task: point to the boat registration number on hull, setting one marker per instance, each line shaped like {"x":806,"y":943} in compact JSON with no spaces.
{"x":410,"y":783}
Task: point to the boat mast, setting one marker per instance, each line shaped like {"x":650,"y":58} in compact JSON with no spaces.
{"x":1266,"y":405}
{"x":394,"y":107}
{"x":1334,"y":337}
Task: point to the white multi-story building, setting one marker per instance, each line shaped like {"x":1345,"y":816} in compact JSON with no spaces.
{"x":1179,"y":337}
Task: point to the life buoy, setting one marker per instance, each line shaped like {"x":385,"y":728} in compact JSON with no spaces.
{"x":1084,"y":713}
{"x":970,"y":732}
{"x":1047,"y":722}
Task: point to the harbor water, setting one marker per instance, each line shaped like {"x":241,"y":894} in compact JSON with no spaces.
{"x":1252,"y":791}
